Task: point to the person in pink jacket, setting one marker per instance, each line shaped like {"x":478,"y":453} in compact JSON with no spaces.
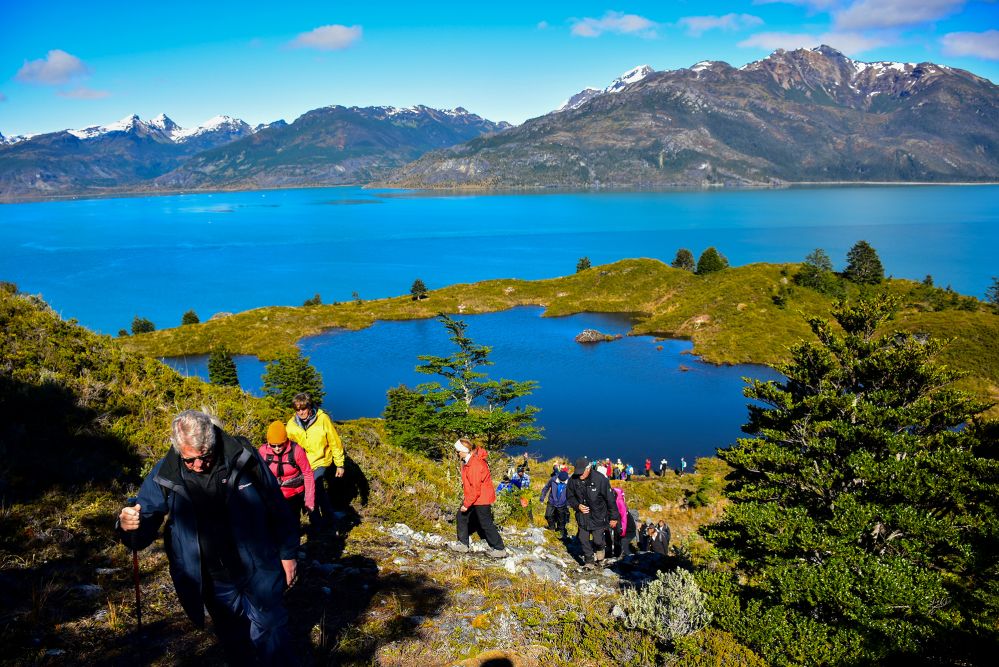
{"x":289,"y":463}
{"x":626,"y":530}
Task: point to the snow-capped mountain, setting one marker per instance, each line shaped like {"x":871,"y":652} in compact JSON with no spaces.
{"x":163,"y":128}
{"x":633,"y":75}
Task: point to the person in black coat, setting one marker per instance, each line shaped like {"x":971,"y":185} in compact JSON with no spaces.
{"x":596,"y":509}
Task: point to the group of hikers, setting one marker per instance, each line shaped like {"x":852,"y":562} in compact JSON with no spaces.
{"x":233,"y":518}
{"x":625,"y":471}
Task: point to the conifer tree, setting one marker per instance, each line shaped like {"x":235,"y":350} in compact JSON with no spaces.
{"x":410,"y":421}
{"x":289,"y":374}
{"x":684,"y":260}
{"x":992,"y":294}
{"x":817,"y":273}
{"x":583,"y":264}
{"x":221,"y":367}
{"x":470,"y":404}
{"x":418,"y":290}
{"x":863,"y":517}
{"x":863,"y":265}
{"x":190,"y":317}
{"x":142,"y":325}
{"x":710,"y":261}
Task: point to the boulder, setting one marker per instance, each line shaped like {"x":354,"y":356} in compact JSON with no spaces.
{"x":593,"y":336}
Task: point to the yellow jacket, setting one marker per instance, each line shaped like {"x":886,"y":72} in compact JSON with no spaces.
{"x":320,"y":441}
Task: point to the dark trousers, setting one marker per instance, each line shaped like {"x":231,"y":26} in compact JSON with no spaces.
{"x":296,"y":504}
{"x":250,"y":631}
{"x":323,"y":512}
{"x":480,"y":519}
{"x":560,"y":518}
{"x":588,"y":547}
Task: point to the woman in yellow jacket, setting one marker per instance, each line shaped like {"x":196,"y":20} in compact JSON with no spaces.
{"x":313,"y":430}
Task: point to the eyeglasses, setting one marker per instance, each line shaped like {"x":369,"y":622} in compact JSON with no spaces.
{"x":204,"y":458}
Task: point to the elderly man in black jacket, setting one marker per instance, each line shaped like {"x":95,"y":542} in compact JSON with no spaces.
{"x":596,"y":509}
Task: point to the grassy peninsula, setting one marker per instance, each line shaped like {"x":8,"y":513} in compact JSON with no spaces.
{"x":744,"y":314}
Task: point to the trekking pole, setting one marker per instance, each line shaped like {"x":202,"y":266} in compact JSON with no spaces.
{"x":135,"y":578}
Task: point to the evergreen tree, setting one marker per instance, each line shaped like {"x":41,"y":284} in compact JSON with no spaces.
{"x":817,"y":273}
{"x":710,"y":261}
{"x":142,"y":325}
{"x":410,"y":421}
{"x":221,"y":367}
{"x":418,"y":290}
{"x":583,"y":264}
{"x":992,"y":294}
{"x":863,"y":517}
{"x":290,"y":373}
{"x":863,"y":265}
{"x":316,"y":300}
{"x":469,"y":403}
{"x":190,"y":317}
{"x":684,"y":260}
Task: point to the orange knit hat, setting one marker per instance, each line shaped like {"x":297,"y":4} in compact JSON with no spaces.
{"x":276,"y":434}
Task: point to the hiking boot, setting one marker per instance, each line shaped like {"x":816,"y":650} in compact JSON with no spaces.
{"x":599,"y":556}
{"x":458,"y":547}
{"x":589,"y":564}
{"x":497,"y":553}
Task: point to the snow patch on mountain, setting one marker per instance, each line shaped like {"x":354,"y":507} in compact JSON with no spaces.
{"x":632,"y":76}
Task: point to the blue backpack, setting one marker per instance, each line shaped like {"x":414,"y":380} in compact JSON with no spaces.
{"x":558,"y":494}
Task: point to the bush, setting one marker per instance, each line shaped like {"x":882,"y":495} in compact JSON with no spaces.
{"x":316,"y":300}
{"x":290,"y":374}
{"x":684,"y":260}
{"x":190,"y":317}
{"x":141,"y":325}
{"x":710,"y":261}
{"x":669,"y":607}
{"x":583,"y":264}
{"x":715,"y":648}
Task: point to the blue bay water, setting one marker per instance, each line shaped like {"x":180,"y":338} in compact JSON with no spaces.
{"x":625,"y":398}
{"x":105,"y":261}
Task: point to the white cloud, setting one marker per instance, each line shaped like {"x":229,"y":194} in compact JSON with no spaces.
{"x":56,"y":68}
{"x":696,"y":25}
{"x":850,"y":43}
{"x":616,"y":22}
{"x":82,"y":93}
{"x":864,"y":14}
{"x":816,"y":5}
{"x":328,"y":38}
{"x":977,"y":44}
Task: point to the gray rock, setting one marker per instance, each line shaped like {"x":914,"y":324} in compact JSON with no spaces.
{"x":655,"y":508}
{"x":399,"y":561}
{"x":536,"y":535}
{"x":88,"y":590}
{"x":104,"y":571}
{"x":544,"y":570}
{"x":55,"y":652}
{"x":618,"y":612}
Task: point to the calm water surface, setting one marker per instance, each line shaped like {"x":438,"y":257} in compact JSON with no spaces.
{"x":623,"y":398}
{"x":105,"y":261}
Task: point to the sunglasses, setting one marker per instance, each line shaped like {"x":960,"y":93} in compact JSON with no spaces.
{"x":204,"y":458}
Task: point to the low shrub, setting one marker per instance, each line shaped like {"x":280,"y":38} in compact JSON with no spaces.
{"x":669,"y":607}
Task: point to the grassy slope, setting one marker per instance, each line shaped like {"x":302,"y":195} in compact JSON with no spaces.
{"x":730,"y":315}
{"x":99,"y":416}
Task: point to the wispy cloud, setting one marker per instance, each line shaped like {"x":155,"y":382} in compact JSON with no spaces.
{"x":850,"y":43}
{"x":864,"y":14}
{"x":328,"y":38}
{"x":82,"y":93}
{"x":817,"y":5}
{"x":615,"y":22}
{"x":697,"y":25}
{"x":978,"y":44}
{"x":56,"y":68}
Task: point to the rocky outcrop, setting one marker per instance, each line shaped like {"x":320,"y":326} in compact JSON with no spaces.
{"x":594,"y":336}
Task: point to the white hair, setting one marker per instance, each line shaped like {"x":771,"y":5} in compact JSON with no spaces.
{"x":193,"y":429}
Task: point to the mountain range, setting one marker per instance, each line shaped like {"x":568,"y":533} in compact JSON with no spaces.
{"x":795,"y":116}
{"x":804,"y":115}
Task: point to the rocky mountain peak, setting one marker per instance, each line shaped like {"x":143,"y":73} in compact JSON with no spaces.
{"x":632,"y":76}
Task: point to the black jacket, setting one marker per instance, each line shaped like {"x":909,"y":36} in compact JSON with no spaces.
{"x":262,"y":528}
{"x":594,"y":492}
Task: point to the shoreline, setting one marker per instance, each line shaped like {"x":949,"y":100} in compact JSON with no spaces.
{"x":404,"y":191}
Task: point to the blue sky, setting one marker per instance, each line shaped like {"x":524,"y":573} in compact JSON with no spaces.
{"x":73,"y":64}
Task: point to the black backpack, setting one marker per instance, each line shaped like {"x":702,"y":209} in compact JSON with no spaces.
{"x":293,"y":482}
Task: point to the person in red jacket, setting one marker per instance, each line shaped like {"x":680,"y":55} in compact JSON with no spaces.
{"x":477,"y":502}
{"x":289,"y":463}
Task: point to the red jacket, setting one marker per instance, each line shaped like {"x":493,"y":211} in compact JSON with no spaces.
{"x":476,"y":482}
{"x":289,"y":472}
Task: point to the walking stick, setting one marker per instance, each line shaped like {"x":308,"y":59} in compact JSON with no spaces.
{"x":135,"y":578}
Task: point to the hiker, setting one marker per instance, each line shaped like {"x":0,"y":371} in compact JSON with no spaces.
{"x":596,"y":511}
{"x":229,"y":539}
{"x":629,"y":473}
{"x":290,"y":466}
{"x":683,"y":465}
{"x":626,"y":530}
{"x":476,"y":509}
{"x":557,"y":509}
{"x":648,"y":467}
{"x":663,"y":467}
{"x":659,"y":542}
{"x":504,"y":485}
{"x":313,"y":430}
